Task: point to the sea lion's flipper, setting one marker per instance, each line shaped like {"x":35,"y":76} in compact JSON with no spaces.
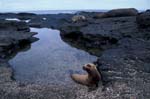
{"x":81,"y":79}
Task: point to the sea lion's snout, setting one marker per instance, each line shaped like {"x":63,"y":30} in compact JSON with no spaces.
{"x":87,"y":67}
{"x":84,"y":67}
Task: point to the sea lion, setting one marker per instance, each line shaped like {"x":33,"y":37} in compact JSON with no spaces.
{"x":78,"y":18}
{"x":91,"y":79}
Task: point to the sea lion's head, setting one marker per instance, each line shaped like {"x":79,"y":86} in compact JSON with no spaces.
{"x":92,"y":71}
{"x":89,"y":67}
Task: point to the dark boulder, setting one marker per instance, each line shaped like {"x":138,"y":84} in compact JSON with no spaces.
{"x":14,"y":25}
{"x":13,"y":35}
{"x":35,"y":25}
{"x":143,"y":19}
{"x":99,"y":15}
{"x":26,"y":16}
{"x":118,"y":13}
{"x":7,"y":15}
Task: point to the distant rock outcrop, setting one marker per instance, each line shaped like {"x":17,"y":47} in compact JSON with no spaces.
{"x":26,"y":16}
{"x":143,"y":19}
{"x":118,"y":13}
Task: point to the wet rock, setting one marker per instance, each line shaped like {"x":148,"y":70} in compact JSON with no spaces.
{"x":14,"y":26}
{"x":102,"y":33}
{"x":5,"y":71}
{"x":13,"y":38}
{"x":78,"y":42}
{"x":26,"y":16}
{"x":127,"y":63}
{"x":13,"y":35}
{"x":112,"y":27}
{"x":122,"y":46}
{"x":7,"y":15}
{"x":11,"y":42}
{"x":99,"y":15}
{"x":36,"y":25}
{"x":52,"y":20}
{"x":143,"y":19}
{"x":105,"y":27}
{"x":123,"y":50}
{"x":122,"y":12}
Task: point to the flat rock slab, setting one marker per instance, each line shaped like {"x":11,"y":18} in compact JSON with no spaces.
{"x":15,"y":35}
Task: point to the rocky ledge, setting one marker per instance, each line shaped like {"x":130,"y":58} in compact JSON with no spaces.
{"x":120,"y":39}
{"x":13,"y":35}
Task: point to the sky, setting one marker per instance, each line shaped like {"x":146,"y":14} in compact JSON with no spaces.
{"x":31,"y":5}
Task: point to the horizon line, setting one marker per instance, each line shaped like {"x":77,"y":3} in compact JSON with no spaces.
{"x":62,"y":10}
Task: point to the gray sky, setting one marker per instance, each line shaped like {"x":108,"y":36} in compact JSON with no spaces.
{"x":26,"y":5}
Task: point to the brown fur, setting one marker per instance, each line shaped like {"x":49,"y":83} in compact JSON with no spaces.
{"x":90,"y":79}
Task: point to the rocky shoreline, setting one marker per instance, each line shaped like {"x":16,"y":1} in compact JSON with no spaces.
{"x":120,"y":38}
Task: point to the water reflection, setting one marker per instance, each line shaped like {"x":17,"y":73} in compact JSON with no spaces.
{"x":83,"y":44}
{"x":49,"y":60}
{"x":23,"y":46}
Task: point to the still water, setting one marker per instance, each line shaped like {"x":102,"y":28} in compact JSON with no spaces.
{"x":49,"y":60}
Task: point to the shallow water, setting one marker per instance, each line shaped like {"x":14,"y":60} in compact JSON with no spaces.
{"x":18,"y":20}
{"x":12,"y":19}
{"x":49,"y":60}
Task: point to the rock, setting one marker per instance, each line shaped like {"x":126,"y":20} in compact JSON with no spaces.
{"x":107,"y":27}
{"x":117,"y":13}
{"x":78,"y":18}
{"x":7,"y":15}
{"x":143,"y":19}
{"x":13,"y":36}
{"x":12,"y":31}
{"x":89,"y":45}
{"x":14,"y":26}
{"x":101,"y":34}
{"x":26,"y":16}
{"x":52,"y":20}
{"x":121,"y":12}
{"x":5,"y":71}
{"x":36,"y":25}
{"x":123,"y":51}
{"x":127,"y":61}
{"x":99,"y":15}
{"x":13,"y":40}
